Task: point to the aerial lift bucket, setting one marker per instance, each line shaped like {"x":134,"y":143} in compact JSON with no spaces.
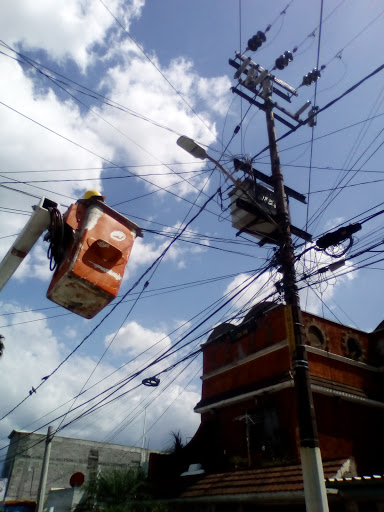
{"x":97,"y":245}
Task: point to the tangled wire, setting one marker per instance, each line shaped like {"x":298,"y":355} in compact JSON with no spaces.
{"x":55,"y":237}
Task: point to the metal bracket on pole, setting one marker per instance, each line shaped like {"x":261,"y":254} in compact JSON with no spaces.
{"x":35,"y":227}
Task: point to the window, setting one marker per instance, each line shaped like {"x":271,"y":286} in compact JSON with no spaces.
{"x":354,"y":348}
{"x":315,"y":337}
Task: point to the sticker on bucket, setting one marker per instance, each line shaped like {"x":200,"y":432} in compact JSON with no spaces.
{"x":119,"y":236}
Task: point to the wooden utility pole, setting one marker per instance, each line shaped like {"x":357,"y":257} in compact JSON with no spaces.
{"x":313,"y":474}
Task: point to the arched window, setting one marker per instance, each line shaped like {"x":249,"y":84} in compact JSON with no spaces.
{"x":315,"y":337}
{"x":354,"y":348}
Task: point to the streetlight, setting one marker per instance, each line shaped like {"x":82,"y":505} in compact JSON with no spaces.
{"x":197,"y":151}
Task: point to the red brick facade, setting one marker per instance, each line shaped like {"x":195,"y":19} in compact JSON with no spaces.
{"x":248,"y":391}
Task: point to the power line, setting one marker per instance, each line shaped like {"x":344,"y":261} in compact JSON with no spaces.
{"x":176,"y":347}
{"x":110,"y":124}
{"x":92,"y":94}
{"x":169,"y":352}
{"x":170,"y":405}
{"x":105,"y":178}
{"x":115,"y":306}
{"x":91,"y":152}
{"x":320,"y":137}
{"x":185,"y":335}
{"x":332,"y":197}
{"x":346,"y":186}
{"x":158,"y":69}
{"x":328,"y":105}
{"x":107,"y":167}
{"x":314,"y":107}
{"x":167,"y":289}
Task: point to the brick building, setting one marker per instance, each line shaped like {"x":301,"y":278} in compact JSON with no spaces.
{"x":248,"y":444}
{"x":68,"y":456}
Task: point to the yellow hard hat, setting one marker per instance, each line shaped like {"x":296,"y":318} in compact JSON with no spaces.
{"x":91,"y":193}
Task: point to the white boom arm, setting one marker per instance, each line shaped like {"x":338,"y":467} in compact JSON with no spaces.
{"x":35,"y":227}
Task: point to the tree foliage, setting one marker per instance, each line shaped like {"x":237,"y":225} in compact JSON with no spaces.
{"x":176,"y":443}
{"x":119,"y":490}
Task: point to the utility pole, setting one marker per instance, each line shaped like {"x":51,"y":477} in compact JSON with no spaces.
{"x":44,"y":471}
{"x":142,"y":453}
{"x":262,"y":84}
{"x":313,"y":474}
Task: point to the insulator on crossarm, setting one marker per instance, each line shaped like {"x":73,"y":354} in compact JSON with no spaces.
{"x":302,"y":109}
{"x":242,"y":68}
{"x":283,"y":61}
{"x":311,"y":77}
{"x":256,"y":41}
{"x":288,"y":56}
{"x":261,"y":77}
{"x":251,"y":78}
{"x":280,"y":62}
{"x":261,"y":36}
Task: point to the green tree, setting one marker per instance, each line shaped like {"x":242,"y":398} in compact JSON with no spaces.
{"x":118,"y":490}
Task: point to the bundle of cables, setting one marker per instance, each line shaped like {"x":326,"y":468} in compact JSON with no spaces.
{"x":55,"y":237}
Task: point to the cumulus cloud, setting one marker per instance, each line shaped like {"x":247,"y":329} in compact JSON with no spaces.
{"x":33,"y":351}
{"x":66,"y":28}
{"x":145,"y":253}
{"x":324,"y":286}
{"x":110,"y":135}
{"x":136,"y":81}
{"x":252,"y":291}
{"x":312,"y":290}
{"x":133,"y":339}
{"x":72,"y":33}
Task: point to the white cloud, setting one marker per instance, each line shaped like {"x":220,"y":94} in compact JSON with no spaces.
{"x":26,"y":146}
{"x":134,"y":81}
{"x":321,"y":286}
{"x":215,"y":93}
{"x":145,"y":253}
{"x":33,"y":351}
{"x":324,"y":286}
{"x":71,"y":30}
{"x":254,"y":292}
{"x":133,"y":339}
{"x":64,"y":28}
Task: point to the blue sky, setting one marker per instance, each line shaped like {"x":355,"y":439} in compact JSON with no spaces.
{"x":183,"y":46}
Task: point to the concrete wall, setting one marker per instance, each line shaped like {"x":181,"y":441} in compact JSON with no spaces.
{"x":64,"y":500}
{"x":68,"y":456}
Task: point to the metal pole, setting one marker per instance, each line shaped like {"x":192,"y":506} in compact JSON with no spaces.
{"x":313,"y":474}
{"x":143,"y":454}
{"x":44,"y":471}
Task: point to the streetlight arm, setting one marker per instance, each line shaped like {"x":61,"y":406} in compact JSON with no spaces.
{"x":197,"y":151}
